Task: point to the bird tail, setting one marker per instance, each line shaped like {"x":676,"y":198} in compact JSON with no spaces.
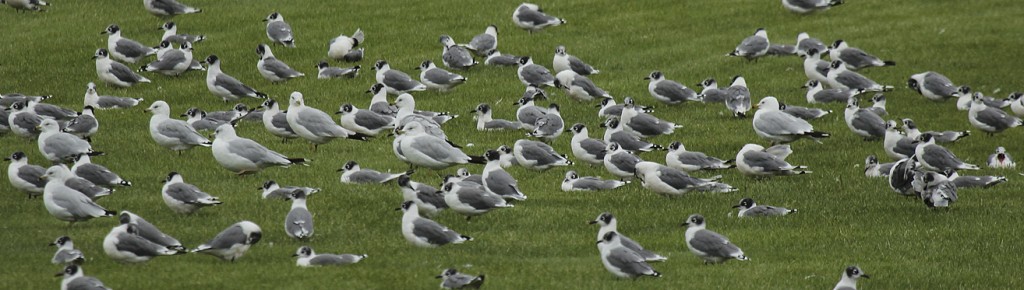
{"x":261,"y":95}
{"x":200,"y":38}
{"x":466,"y":238}
{"x":206,"y":144}
{"x":733,"y":53}
{"x":301,"y":161}
{"x":143,"y":68}
{"x":109,"y":213}
{"x":888,"y":88}
{"x":730,"y":161}
{"x":96,"y":153}
{"x":656,"y":274}
{"x":742,"y":258}
{"x":818,"y":134}
{"x":359,"y":136}
{"x":125,"y":183}
{"x":477,"y":160}
{"x":999,"y":179}
{"x":657,"y":147}
{"x":144,"y":80}
{"x":967,"y":166}
{"x":289,"y":43}
{"x":889,"y":63}
{"x":835,"y":2}
{"x":791,"y":211}
{"x":740,"y":114}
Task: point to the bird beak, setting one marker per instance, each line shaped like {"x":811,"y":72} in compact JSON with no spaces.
{"x":438,"y":276}
{"x":183,"y":115}
{"x":43,"y":177}
{"x":340,"y":169}
{"x":295,"y":255}
{"x":684,"y":224}
{"x":865,"y":276}
{"x":472,"y":111}
{"x":736,"y":206}
{"x":264,"y":20}
{"x":147,"y":110}
{"x":39,"y":127}
{"x":103,"y":32}
{"x":647,"y":78}
{"x":7,"y":159}
{"x":53,"y":244}
{"x":592,"y":222}
{"x":603,"y":125}
{"x":598,"y":242}
{"x":397,"y":209}
{"x":337,"y":113}
{"x":416,"y":68}
{"x":58,"y":274}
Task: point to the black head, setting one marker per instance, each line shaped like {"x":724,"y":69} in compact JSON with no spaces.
{"x":554,"y":107}
{"x":813,"y":51}
{"x":425,"y":65}
{"x":124,"y":218}
{"x":403,"y":180}
{"x":925,"y":137}
{"x":609,"y":236}
{"x":272,"y":16}
{"x":406,"y":205}
{"x":745,"y":203}
{"x":912,"y":83}
{"x":261,"y":49}
{"x":380,"y":64}
{"x":855,"y":272}
{"x":628,"y":100}
{"x":448,"y":272}
{"x":375,"y":88}
{"x":837,"y":43}
{"x":871,"y":160}
{"x":267,"y":184}
{"x":102,"y":52}
{"x":964,"y":89}
{"x":604,"y":102}
{"x":298,"y":194}
{"x":505,"y":149}
{"x":16,"y":156}
{"x":524,"y":60}
{"x":612,"y":146}
{"x":909,"y":124}
{"x":268,"y":103}
{"x":560,"y":50}
{"x":321,"y":64}
{"x":604,"y":218}
{"x":212,"y":59}
{"x":350,"y":165}
{"x":655,"y":75}
{"x":347,"y":108}
{"x":111,"y":29}
{"x":448,"y":186}
{"x":61,"y":241}
{"x":131,"y":229}
{"x":695,"y":220}
{"x":165,"y":44}
{"x":167,"y":25}
{"x":492,"y":155}
{"x":254,"y":238}
{"x":577,"y":128}
{"x":483,"y":108}
{"x":171,"y":176}
{"x":708,"y":82}
{"x":571,"y":175}
{"x":611,"y":123}
{"x":836,"y":64}
{"x":241,"y":107}
{"x":674,"y":145}
{"x":70,"y":270}
{"x":303,"y":251}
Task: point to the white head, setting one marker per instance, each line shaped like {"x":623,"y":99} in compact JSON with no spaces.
{"x":57,"y":172}
{"x":264,"y":52}
{"x":405,"y":101}
{"x":770,"y":103}
{"x":296,"y":99}
{"x":159,"y":108}
{"x":695,"y":221}
{"x":751,"y":147}
{"x":761,"y":32}
{"x":225,"y":131}
{"x":49,"y":125}
{"x":273,"y":17}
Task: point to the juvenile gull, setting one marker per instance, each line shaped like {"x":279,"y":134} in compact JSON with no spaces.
{"x":621,"y":261}
{"x":124,"y":244}
{"x":708,"y":245}
{"x":748,"y":208}
{"x":279,"y":31}
{"x":225,"y":86}
{"x":530,"y":17}
{"x":584,"y":148}
{"x":168,"y":8}
{"x":24,"y":176}
{"x":185,"y":198}
{"x":244,"y":156}
{"x":171,"y":133}
{"x":484,"y":121}
{"x":233,"y":242}
{"x":97,"y":101}
{"x":574,"y":182}
{"x":855,"y":58}
{"x":932,"y":85}
{"x":396,"y":81}
{"x":66,"y":252}
{"x":669,"y":91}
{"x":273,"y":69}
{"x":452,"y":279}
{"x":537,"y":156}
{"x":863,"y":122}
{"x":308,"y":258}
{"x":534,"y":74}
{"x":343,"y":45}
{"x":485,"y":43}
{"x":115,"y":73}
{"x":84,"y":125}
{"x":426,"y":233}
{"x":672,"y":182}
{"x":753,"y":46}
{"x":436,"y":78}
{"x":326,"y":71}
{"x":679,"y":158}
{"x":364,"y":121}
{"x":123,"y":48}
{"x":455,"y":56}
{"x":563,"y":61}
{"x":755,"y":160}
{"x":352,"y":173}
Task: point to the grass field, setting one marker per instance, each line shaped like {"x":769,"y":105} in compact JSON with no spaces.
{"x":543,"y":242}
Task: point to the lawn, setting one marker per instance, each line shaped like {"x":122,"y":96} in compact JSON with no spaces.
{"x":844,"y":218}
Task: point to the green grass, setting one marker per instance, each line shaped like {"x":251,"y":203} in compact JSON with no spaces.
{"x":544,"y":242}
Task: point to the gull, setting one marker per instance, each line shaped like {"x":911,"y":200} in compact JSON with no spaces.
{"x":271,"y":189}
{"x":808,"y":6}
{"x":273,"y":69}
{"x":537,"y":156}
{"x":965,"y":99}
{"x":66,"y":203}
{"x":469,"y":200}
{"x":849,"y":279}
{"x":436,"y":78}
{"x":497,"y":181}
{"x":781,"y":50}
{"x":679,"y":158}
{"x":629,"y":140}
{"x":841,"y":77}
{"x":314,"y":125}
{"x":298,"y":224}
{"x":396,"y":81}
{"x":935,"y":189}
{"x":814,"y":68}
{"x":669,"y":91}
{"x":66,"y":253}
{"x":225,"y":86}
{"x":379,"y":103}
{"x":620,"y":162}
{"x":185,"y":198}
{"x":584,"y":148}
{"x":779,"y":127}
{"x":855,"y":58}
{"x":58,"y":146}
{"x":426,"y":233}
{"x":233,"y":242}
{"x":23,"y":121}
{"x":940,"y":137}
{"x":168,"y":8}
{"x":710,"y":93}
{"x":428,"y":199}
{"x":969,"y":181}
{"x":9,"y":99}
{"x":424,"y":150}
{"x":51,"y":111}
{"x":125,"y":245}
{"x":407,"y":112}
{"x":171,"y":133}
{"x":549,"y":126}
{"x":863,"y":122}
{"x":352,"y":173}
{"x":578,"y":86}
{"x":85,"y":186}
{"x":74,"y":277}
{"x":455,"y":56}
{"x":672,"y":182}
{"x":24,"y":176}
{"x":173,"y":62}
{"x":245,"y":156}
{"x":574,"y":182}
{"x":755,"y":160}
{"x":115,"y":73}
{"x":171,"y":34}
{"x":937,"y":158}
{"x":1017,"y":103}
{"x":622,"y":261}
{"x":738,"y":97}
{"x":497,"y":58}
{"x":463,"y":174}
{"x":84,"y":125}
{"x":123,"y":48}
{"x":96,"y":101}
{"x":895,"y":144}
{"x":486,"y":43}
{"x":340,"y":47}
{"x":644,"y":124}
{"x":198,"y":120}
{"x":508,"y":158}
{"x":97,"y":174}
{"x":149,"y":231}
{"x":748,"y":208}
{"x":932,"y":85}
{"x":567,"y":62}
{"x":528,"y":113}
{"x":276,"y":121}
{"x":364,"y":121}
{"x":308,"y":258}
{"x":901,"y":176}
{"x":874,"y":169}
{"x":988,"y":119}
{"x":452,"y":279}
{"x":534,"y":74}
{"x":753,"y":46}
{"x":26,"y":5}
{"x":804,"y":44}
{"x":530,"y":17}
{"x":878,"y":104}
{"x":327,"y":72}
{"x":279,"y":31}
{"x":708,"y":245}
{"x":484,"y":121}
{"x":609,"y":223}
{"x":1000,"y":159}
{"x":805,"y":113}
